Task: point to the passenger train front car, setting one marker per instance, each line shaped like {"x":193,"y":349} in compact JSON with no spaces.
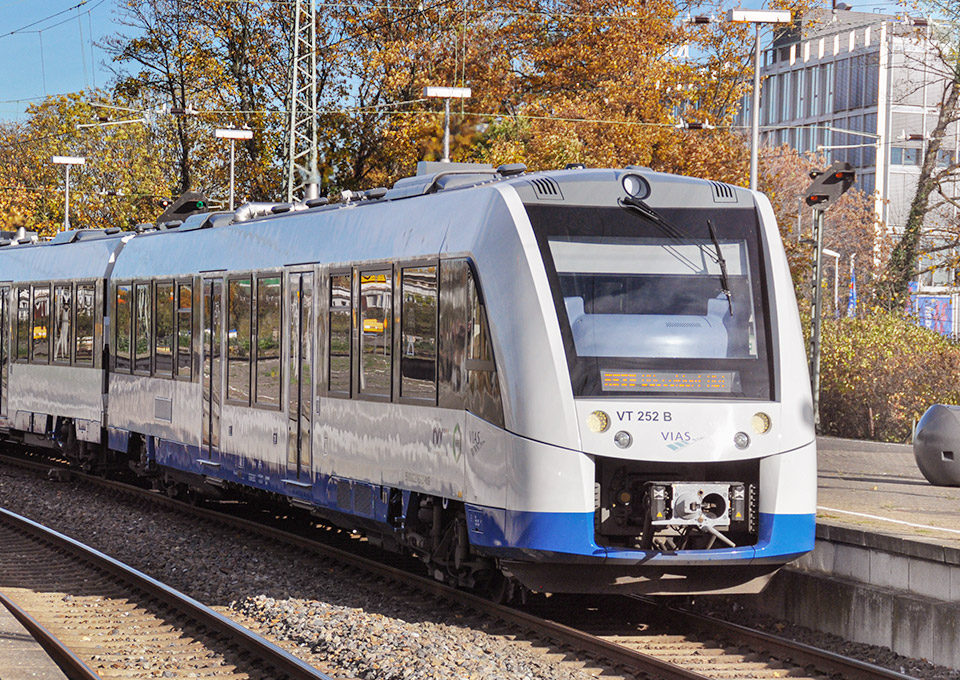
{"x":581,"y":380}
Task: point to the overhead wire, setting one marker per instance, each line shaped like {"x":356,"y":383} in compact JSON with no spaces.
{"x":40,"y":21}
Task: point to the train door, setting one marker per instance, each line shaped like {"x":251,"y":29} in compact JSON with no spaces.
{"x":300,"y":369}
{"x":212,"y":373}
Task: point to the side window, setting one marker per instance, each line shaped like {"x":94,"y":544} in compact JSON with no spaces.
{"x":238,"y":339}
{"x":163,"y":333}
{"x":467,"y":371}
{"x":184,"y":330}
{"x":23,"y":324}
{"x":339,"y":326}
{"x":83,"y":326}
{"x":122,"y":344}
{"x":62,"y":317}
{"x":483,"y":387}
{"x":479,"y":349}
{"x":268,"y":340}
{"x":376,"y":294}
{"x":418,"y":341}
{"x":41,"y":325}
{"x":143,"y":327}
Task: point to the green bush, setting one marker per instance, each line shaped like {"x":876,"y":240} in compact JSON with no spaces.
{"x":880,"y":373}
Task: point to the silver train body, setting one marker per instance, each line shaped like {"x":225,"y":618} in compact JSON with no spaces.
{"x":584,"y":380}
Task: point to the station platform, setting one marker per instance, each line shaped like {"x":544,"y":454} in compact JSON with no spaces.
{"x":22,"y":657}
{"x":886,"y":566}
{"x":877,"y":488}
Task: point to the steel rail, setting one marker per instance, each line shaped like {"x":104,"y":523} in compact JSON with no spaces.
{"x":610,"y":651}
{"x":615,"y":653}
{"x":71,"y":665}
{"x":261,"y":648}
{"x":781,"y":648}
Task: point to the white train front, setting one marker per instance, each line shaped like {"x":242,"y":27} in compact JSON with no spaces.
{"x":582,"y":380}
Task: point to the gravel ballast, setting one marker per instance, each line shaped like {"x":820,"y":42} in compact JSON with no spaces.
{"x":347,"y":627}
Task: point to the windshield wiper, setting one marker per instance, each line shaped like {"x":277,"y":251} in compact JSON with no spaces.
{"x":677,"y":233}
{"x":655,"y":217}
{"x":724,"y":284}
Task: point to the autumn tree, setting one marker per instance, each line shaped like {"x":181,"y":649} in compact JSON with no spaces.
{"x":118,"y":185}
{"x":851,"y":225}
{"x":937,"y":181}
{"x":607,"y":83}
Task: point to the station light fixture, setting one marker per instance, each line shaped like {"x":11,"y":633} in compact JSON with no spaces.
{"x":446,"y":94}
{"x":67,"y":161}
{"x":233,"y":134}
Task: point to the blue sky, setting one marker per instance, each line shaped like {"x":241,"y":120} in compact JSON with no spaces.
{"x":47,"y":47}
{"x":64,"y":35}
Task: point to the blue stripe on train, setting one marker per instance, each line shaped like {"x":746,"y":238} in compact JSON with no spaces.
{"x":782,"y":537}
{"x":507,"y":533}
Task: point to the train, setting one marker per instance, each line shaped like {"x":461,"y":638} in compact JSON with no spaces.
{"x":574,"y":381}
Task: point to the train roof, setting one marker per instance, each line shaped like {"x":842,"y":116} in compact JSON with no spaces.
{"x":454,"y":201}
{"x":74,"y":254}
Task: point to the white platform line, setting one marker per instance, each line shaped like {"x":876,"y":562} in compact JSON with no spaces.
{"x":887,"y":519}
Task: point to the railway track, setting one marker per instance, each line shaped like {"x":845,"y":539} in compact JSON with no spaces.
{"x":634,"y":636}
{"x":99,"y":618}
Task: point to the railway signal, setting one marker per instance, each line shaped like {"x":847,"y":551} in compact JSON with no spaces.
{"x":826,"y":188}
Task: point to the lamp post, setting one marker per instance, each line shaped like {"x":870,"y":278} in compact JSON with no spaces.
{"x":233,"y":134}
{"x":757,"y":17}
{"x":446,"y":93}
{"x":67,"y":161}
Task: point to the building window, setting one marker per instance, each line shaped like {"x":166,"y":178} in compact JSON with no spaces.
{"x":857,"y":77}
{"x":41,"y":325}
{"x":871,"y":86}
{"x":826,"y":89}
{"x":376,"y":332}
{"x":841,"y":84}
{"x":163,"y":335}
{"x":238,"y":339}
{"x":339,"y":341}
{"x":83,"y":326}
{"x":782,"y":97}
{"x":268,"y":340}
{"x":143,"y":326}
{"x":122,"y":344}
{"x":418,"y":340}
{"x":904,"y":156}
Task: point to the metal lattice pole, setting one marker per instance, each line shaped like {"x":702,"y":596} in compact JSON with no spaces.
{"x":302,"y":173}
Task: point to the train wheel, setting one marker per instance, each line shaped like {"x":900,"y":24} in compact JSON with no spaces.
{"x":498,"y":588}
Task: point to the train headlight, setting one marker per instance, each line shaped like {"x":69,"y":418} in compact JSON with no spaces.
{"x":598,"y":421}
{"x":741,"y":440}
{"x":622,"y":439}
{"x":761,"y":423}
{"x":635,"y":186}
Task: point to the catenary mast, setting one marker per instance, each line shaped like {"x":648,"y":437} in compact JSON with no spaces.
{"x":302,"y":176}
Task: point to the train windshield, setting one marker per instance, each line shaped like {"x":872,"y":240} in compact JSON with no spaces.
{"x":674,"y":308}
